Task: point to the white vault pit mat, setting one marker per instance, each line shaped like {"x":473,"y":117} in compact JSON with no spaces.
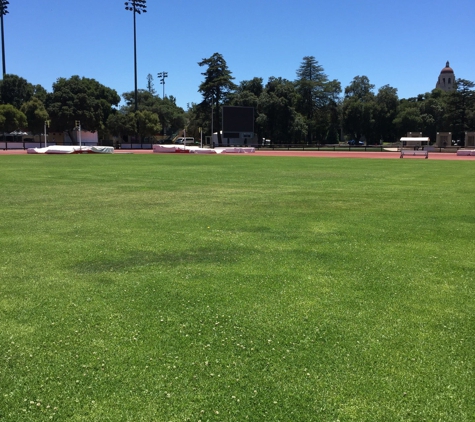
{"x":67,"y":149}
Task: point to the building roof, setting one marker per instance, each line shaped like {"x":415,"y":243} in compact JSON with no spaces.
{"x":447,"y":69}
{"x":415,"y":139}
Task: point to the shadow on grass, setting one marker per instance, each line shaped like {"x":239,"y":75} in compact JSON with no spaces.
{"x":135,"y":260}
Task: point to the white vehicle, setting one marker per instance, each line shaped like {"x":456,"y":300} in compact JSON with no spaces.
{"x":185,"y":141}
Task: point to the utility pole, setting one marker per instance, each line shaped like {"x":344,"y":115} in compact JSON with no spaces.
{"x":47,"y":122}
{"x":78,"y":125}
{"x":135,"y":6}
{"x":3,"y":12}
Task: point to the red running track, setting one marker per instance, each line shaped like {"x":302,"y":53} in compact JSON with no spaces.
{"x":362,"y":154}
{"x":332,"y":154}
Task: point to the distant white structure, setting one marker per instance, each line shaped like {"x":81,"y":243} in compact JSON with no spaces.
{"x":414,"y":142}
{"x":235,"y":138}
{"x":446,"y":81}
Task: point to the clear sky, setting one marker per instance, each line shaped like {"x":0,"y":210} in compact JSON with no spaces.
{"x":403,"y":43}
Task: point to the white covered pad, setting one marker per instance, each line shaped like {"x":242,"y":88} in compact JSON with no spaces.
{"x":203,"y":151}
{"x":67,"y":149}
{"x":162,"y":149}
{"x":237,"y":150}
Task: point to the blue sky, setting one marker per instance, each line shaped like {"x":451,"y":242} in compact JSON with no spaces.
{"x":402,"y":43}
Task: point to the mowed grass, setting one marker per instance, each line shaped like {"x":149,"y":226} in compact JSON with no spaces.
{"x":235,"y":288}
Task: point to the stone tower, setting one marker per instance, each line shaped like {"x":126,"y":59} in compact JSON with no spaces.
{"x":446,"y":80}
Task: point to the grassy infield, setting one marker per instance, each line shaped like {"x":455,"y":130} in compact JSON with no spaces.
{"x":175,"y":288}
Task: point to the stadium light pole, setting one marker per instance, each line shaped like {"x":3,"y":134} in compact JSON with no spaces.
{"x":135,"y":6}
{"x":162,"y":76}
{"x":3,"y":11}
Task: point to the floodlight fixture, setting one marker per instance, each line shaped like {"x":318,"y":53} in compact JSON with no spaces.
{"x":162,"y":76}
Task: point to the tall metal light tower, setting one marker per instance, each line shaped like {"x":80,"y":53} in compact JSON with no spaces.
{"x":135,"y":6}
{"x":3,"y":11}
{"x":162,"y":76}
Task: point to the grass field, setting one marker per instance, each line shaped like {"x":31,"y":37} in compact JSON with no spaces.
{"x":232,"y":288}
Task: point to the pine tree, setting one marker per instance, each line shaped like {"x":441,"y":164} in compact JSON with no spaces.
{"x":150,"y":87}
{"x":216,"y":87}
{"x":318,"y":97}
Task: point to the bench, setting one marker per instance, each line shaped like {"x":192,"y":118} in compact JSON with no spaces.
{"x":465,"y":152}
{"x":414,"y":152}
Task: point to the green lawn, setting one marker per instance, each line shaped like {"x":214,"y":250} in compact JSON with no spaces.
{"x":234,"y":288}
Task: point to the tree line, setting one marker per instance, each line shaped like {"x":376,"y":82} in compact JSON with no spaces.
{"x":310,"y":109}
{"x":314,"y":109}
{"x":26,"y":107}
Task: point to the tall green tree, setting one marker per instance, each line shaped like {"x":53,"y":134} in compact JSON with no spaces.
{"x":247,"y":95}
{"x":254,"y":86}
{"x":358,"y":109}
{"x":36,"y":115}
{"x":81,"y":99}
{"x":15,"y":90}
{"x":171,"y":117}
{"x":150,"y":85}
{"x":121,"y":124}
{"x":278,"y":117}
{"x":385,"y":111}
{"x":310,"y":85}
{"x":360,"y":88}
{"x":461,"y":107}
{"x":426,"y":113}
{"x":143,"y":123}
{"x":198,"y":116}
{"x":327,"y":119}
{"x":145,"y":100}
{"x":11,"y":119}
{"x":216,"y":87}
{"x":433,"y":109}
{"x":409,"y":118}
{"x":148,"y":123}
{"x":318,"y":98}
{"x":40,"y":93}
